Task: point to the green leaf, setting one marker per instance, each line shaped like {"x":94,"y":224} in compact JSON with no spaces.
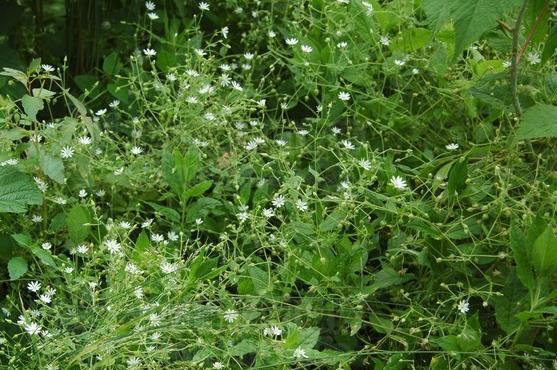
{"x":43,"y":93}
{"x":197,"y":190}
{"x":17,"y":267}
{"x":43,"y":255}
{"x":438,"y":12}
{"x":15,"y":74}
{"x":544,"y":252}
{"x":538,"y":121}
{"x":79,"y":105}
{"x":77,"y":221}
{"x":550,"y":45}
{"x":244,"y":347}
{"x":53,"y":167}
{"x":17,"y":190}
{"x":457,"y":177}
{"x":260,"y":279}
{"x":514,"y":300}
{"x":111,"y":64}
{"x":333,"y":220}
{"x":412,"y":39}
{"x":169,"y":213}
{"x":31,"y":106}
{"x":520,"y":254}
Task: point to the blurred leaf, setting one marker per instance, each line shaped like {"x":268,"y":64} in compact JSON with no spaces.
{"x":550,"y":45}
{"x":538,"y":121}
{"x":31,"y":106}
{"x":111,"y":64}
{"x":76,"y":220}
{"x":457,"y":177}
{"x":544,"y":253}
{"x":17,"y":267}
{"x":53,"y":167}
{"x":520,"y":255}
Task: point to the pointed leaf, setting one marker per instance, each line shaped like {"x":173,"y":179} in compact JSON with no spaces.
{"x":17,"y":267}
{"x":544,"y":252}
{"x":17,"y":190}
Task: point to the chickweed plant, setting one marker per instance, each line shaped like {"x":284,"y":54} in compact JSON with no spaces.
{"x":314,"y":184}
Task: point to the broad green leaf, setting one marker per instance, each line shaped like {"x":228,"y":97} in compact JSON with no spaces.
{"x":438,"y":12}
{"x":387,"y":277}
{"x":333,"y":220}
{"x":544,"y":252}
{"x":77,"y":221}
{"x":412,"y":39}
{"x":539,"y":121}
{"x":17,"y":190}
{"x":111,"y":64}
{"x":43,"y":255}
{"x":43,"y":93}
{"x":520,"y":255}
{"x":457,"y":177}
{"x":17,"y":267}
{"x":244,"y":347}
{"x":170,"y":213}
{"x":31,"y":106}
{"x":514,"y":299}
{"x":53,"y":167}
{"x":260,"y":279}
{"x":23,"y":240}
{"x":79,"y":105}
{"x":197,"y":190}
{"x":15,"y":74}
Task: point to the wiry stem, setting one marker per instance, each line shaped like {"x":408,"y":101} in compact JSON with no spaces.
{"x":515,"y":60}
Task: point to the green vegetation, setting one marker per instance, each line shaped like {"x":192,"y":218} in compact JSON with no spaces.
{"x":311,"y":184}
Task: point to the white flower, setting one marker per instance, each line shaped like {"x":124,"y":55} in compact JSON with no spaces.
{"x":147,"y":223}
{"x":37,"y":218}
{"x":171,"y":235}
{"x":47,"y":68}
{"x":138,"y":292}
{"x":451,"y":146}
{"x":113,"y":246}
{"x":114,"y":104}
{"x":46,"y":246}
{"x":100,"y":193}
{"x":171,"y":77}
{"x":303,"y":132}
{"x":507,"y":63}
{"x":133,"y":362}
{"x":125,"y":225}
{"x":271,"y":34}
{"x":136,"y":150}
{"x":307,"y":49}
{"x":278,"y":201}
{"x":301,"y":205}
{"x":60,"y":200}
{"x":118,"y":171}
{"x":280,"y":142}
{"x":203,"y":6}
{"x":342,"y":45}
{"x":463,"y":307}
{"x":236,"y":86}
{"x":100,"y":112}
{"x":155,"y":319}
{"x":384,"y":40}
{"x":344,"y":96}
{"x":347,"y":144}
{"x":132,"y":269}
{"x":85,"y":140}
{"x":34,"y":286}
{"x":230,"y":315}
{"x":368,"y":6}
{"x":200,"y":52}
{"x":218,"y":365}
{"x":400,"y":62}
{"x":82,"y":193}
{"x":272,"y":331}
{"x":168,"y":268}
{"x":249,"y":56}
{"x":66,"y":152}
{"x":291,"y":41}
{"x":32,"y":328}
{"x":198,"y":221}
{"x":82,"y":248}
{"x":300,"y":353}
{"x":156,"y":336}
{"x":150,"y":5}
{"x":533,"y":58}
{"x":157,"y":238}
{"x":336,"y":130}
{"x":68,"y":270}
{"x":224,"y":31}
{"x":153,"y":16}
{"x":45,"y":298}
{"x":149,"y":52}
{"x":268,"y":212}
{"x":398,"y":183}
{"x":415,"y":71}
{"x":251,"y":145}
{"x":365,"y":164}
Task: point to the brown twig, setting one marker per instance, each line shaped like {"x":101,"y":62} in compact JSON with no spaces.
{"x":505,"y":26}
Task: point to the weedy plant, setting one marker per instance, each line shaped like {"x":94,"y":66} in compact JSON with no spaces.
{"x":316,"y":184}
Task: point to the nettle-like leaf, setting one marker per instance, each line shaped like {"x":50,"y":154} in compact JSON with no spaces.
{"x":471,"y":19}
{"x":539,"y":121}
{"x":17,"y":191}
{"x":31,"y":106}
{"x":17,"y":267}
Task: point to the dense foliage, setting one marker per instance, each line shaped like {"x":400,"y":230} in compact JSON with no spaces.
{"x":310,"y":184}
